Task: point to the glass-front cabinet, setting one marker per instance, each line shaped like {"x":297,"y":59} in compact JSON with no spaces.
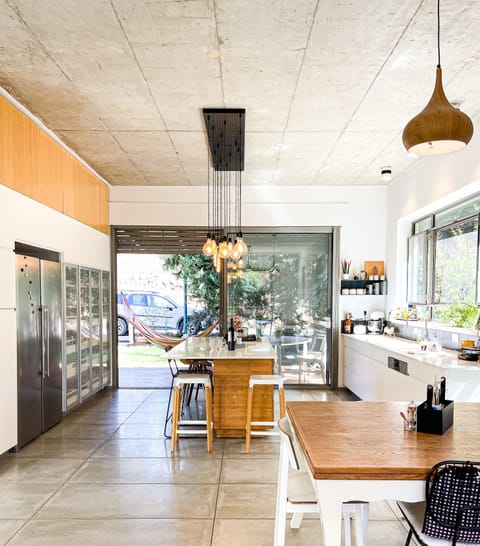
{"x":95,"y":331}
{"x":86,"y":333}
{"x":105,"y":332}
{"x":71,"y":393}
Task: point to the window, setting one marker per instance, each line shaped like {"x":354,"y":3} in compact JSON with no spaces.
{"x":443,"y":263}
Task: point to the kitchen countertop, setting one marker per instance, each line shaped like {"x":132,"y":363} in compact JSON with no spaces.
{"x":409,"y":350}
{"x":212,"y":348}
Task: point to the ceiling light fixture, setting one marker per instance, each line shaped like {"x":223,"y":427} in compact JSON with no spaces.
{"x":439,"y":128}
{"x":386,"y":174}
{"x":226,"y":140}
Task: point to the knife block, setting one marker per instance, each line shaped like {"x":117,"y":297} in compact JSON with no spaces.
{"x":434,"y":421}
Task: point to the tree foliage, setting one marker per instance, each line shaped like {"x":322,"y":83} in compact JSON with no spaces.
{"x":201,"y":278}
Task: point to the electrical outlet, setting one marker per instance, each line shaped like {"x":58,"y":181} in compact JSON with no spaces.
{"x":454,"y":338}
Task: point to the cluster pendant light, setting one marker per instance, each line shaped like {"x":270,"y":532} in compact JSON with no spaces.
{"x":439,"y":128}
{"x":226,"y":139}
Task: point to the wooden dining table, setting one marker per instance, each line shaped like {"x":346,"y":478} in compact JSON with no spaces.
{"x":360,"y":451}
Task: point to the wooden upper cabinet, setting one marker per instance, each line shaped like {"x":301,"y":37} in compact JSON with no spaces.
{"x":34,"y":164}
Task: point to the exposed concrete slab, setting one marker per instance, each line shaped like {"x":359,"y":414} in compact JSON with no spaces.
{"x":328,"y":86}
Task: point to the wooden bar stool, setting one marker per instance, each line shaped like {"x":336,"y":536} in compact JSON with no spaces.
{"x":191,"y":379}
{"x":263,"y":380}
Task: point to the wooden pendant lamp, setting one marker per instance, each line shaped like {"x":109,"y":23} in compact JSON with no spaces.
{"x":439,"y":128}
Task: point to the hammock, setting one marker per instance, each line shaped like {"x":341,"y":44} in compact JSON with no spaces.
{"x":154,"y":336}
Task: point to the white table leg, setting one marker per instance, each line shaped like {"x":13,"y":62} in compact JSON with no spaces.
{"x":331,"y":517}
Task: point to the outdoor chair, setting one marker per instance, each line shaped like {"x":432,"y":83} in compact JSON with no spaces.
{"x":450,"y":514}
{"x":315,"y":359}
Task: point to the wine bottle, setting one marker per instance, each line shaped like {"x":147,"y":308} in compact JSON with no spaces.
{"x":231,"y":336}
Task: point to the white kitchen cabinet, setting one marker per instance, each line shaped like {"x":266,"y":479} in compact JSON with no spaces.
{"x":366,"y":371}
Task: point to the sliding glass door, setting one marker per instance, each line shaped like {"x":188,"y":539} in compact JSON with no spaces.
{"x":283,"y":291}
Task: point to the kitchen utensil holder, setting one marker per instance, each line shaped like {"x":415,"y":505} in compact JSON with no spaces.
{"x":434,"y":421}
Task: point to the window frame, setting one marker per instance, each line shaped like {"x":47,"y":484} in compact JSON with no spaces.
{"x":430,"y":234}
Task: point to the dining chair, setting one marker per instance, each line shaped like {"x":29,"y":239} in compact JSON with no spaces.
{"x":450,"y":514}
{"x":295,"y":493}
{"x":314,"y":360}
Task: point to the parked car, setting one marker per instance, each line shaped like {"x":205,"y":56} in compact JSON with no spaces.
{"x":160,"y":312}
{"x":156,"y":310}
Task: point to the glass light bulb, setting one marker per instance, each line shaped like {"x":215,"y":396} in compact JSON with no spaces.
{"x":235,"y":253}
{"x":240,"y":245}
{"x":207,"y":247}
{"x":223,"y":250}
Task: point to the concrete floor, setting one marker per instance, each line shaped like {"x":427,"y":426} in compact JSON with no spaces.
{"x":105,"y":476}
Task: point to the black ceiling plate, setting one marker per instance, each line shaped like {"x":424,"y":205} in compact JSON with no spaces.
{"x":226,"y":137}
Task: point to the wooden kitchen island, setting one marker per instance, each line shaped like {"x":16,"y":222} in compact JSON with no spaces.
{"x":231,"y":372}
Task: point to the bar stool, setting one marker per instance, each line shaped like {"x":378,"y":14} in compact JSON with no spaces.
{"x":189,"y":380}
{"x":263,"y":380}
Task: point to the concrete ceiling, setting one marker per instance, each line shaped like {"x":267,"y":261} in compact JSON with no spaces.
{"x":328,"y":85}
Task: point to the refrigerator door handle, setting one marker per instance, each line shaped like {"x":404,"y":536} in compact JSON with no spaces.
{"x":37,"y":328}
{"x":47,"y":340}
{"x":42,"y":310}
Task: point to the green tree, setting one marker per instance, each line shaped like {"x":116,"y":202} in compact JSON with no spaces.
{"x":202,"y":280}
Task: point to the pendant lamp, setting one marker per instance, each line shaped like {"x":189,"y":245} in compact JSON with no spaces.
{"x":439,"y":128}
{"x":226,"y":141}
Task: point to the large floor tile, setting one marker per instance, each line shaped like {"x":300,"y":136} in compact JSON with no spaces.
{"x":131,"y":501}
{"x":81,"y":430}
{"x":186,"y":447}
{"x":22,"y":500}
{"x":60,"y":447}
{"x":99,"y":417}
{"x":381,"y":531}
{"x":147,"y":431}
{"x":8,"y":527}
{"x":260,"y":447}
{"x":33,"y":470}
{"x":246,"y":501}
{"x":160,"y":470}
{"x":113,"y":405}
{"x":145,"y":418}
{"x":157,"y":407}
{"x":248,"y":470}
{"x":240,"y":532}
{"x":115,"y":532}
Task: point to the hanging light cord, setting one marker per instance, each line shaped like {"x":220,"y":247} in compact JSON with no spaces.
{"x":438,"y":32}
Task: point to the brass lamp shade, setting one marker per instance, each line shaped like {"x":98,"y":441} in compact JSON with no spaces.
{"x":439,"y":128}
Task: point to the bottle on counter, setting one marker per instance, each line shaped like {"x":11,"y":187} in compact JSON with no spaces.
{"x":348,"y":324}
{"x":231,"y":336}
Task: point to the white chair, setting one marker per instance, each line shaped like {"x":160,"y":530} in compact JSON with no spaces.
{"x":315,"y":358}
{"x":187,"y":380}
{"x":295,"y":493}
{"x":263,"y":380}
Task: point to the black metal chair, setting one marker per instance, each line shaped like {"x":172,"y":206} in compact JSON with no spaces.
{"x":450,"y":513}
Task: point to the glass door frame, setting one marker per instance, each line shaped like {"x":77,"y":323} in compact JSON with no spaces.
{"x":334,"y":286}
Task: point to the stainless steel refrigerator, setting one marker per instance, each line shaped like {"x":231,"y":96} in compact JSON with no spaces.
{"x":39,"y":341}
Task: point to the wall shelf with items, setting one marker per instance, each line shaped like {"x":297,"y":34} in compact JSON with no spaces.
{"x":363,"y":288}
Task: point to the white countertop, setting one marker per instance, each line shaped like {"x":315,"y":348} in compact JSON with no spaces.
{"x":410,"y":350}
{"x":211,"y":348}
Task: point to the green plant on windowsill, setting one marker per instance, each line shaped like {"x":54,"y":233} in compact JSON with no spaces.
{"x":460,"y":315}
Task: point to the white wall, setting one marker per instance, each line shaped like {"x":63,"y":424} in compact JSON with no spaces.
{"x":24,"y":220}
{"x":431,"y":183}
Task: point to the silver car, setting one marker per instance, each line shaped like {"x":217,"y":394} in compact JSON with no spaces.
{"x":158,"y":311}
